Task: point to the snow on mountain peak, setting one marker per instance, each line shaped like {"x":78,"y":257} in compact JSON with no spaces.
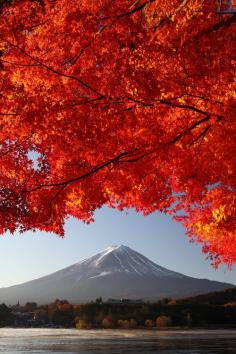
{"x":116,"y":248}
{"x":123,"y":259}
{"x":111,"y":250}
{"x":118,"y":259}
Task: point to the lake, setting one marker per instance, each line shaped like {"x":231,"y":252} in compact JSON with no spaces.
{"x":41,"y":341}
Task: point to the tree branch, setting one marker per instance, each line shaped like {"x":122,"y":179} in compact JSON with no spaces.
{"x":224,"y":23}
{"x":55,"y":71}
{"x":85,"y":175}
{"x":204,"y":132}
{"x":184,"y":106}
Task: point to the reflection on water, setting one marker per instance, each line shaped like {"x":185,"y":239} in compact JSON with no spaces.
{"x":32,"y":341}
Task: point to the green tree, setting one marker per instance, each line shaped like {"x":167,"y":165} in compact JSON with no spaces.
{"x":5,"y":315}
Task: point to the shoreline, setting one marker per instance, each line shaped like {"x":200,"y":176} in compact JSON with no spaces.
{"x":151,"y":329}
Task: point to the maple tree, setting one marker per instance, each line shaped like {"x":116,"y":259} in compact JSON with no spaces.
{"x":129,"y":104}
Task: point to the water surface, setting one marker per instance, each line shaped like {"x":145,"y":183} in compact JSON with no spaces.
{"x":42,"y":341}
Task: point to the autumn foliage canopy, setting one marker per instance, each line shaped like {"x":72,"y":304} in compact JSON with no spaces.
{"x":129,"y":104}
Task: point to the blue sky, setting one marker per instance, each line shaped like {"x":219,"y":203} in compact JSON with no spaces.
{"x":31,"y":255}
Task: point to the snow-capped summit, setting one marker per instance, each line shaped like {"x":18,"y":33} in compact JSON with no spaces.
{"x":116,"y":272}
{"x":122,"y":259}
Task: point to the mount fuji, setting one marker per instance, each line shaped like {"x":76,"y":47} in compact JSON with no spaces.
{"x":117,"y":272}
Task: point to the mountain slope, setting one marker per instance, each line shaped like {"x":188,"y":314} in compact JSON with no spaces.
{"x":117,"y":272}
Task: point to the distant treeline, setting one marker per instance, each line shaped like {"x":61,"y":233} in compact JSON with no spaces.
{"x":213,"y":309}
{"x":213,"y":298}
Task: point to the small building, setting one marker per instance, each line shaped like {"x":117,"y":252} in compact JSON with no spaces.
{"x":113,"y":301}
{"x":124,"y":301}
